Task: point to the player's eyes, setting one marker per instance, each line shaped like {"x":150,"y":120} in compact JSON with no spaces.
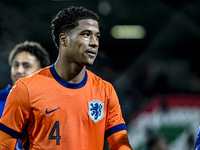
{"x":86,"y":34}
{"x":15,"y":65}
{"x":98,"y":36}
{"x":26,"y":66}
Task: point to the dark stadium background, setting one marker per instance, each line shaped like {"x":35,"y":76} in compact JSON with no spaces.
{"x":166,"y":61}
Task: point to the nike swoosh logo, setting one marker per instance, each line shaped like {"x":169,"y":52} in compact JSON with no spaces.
{"x":48,"y":112}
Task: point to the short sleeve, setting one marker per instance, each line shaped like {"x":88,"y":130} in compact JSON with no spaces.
{"x":115,"y":121}
{"x":16,"y":112}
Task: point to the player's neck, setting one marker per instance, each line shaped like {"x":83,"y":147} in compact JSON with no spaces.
{"x":72,"y":73}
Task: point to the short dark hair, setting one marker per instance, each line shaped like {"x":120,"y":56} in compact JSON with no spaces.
{"x":68,"y":18}
{"x":33,"y":48}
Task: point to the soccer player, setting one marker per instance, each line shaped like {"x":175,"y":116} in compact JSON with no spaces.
{"x":25,"y":59}
{"x":65,"y":106}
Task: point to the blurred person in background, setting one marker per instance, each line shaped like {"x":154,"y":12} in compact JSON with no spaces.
{"x":25,"y":59}
{"x":66,"y":106}
{"x":157,"y":143}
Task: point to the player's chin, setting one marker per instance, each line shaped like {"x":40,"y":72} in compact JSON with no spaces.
{"x":89,"y":62}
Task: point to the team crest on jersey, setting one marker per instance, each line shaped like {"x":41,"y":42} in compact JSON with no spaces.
{"x":96,"y":110}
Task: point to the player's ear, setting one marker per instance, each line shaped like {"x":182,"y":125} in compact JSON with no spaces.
{"x":63,"y":39}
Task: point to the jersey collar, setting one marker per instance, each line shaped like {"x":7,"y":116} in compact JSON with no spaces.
{"x":65,"y":83}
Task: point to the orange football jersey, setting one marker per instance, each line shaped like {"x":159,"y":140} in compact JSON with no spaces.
{"x":49,"y":113}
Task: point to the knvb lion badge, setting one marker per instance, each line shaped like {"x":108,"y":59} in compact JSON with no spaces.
{"x":96,"y":110}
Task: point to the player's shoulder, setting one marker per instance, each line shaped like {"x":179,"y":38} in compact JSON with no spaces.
{"x":97,"y":80}
{"x":4,"y":92}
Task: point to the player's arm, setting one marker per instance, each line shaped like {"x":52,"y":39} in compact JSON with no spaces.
{"x":15,"y":116}
{"x":7,"y":142}
{"x":116,"y":131}
{"x":119,"y":141}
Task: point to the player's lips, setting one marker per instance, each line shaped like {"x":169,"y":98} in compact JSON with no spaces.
{"x":91,"y":52}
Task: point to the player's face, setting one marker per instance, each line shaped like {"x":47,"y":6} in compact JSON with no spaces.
{"x":23,"y":64}
{"x":84,"y":42}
